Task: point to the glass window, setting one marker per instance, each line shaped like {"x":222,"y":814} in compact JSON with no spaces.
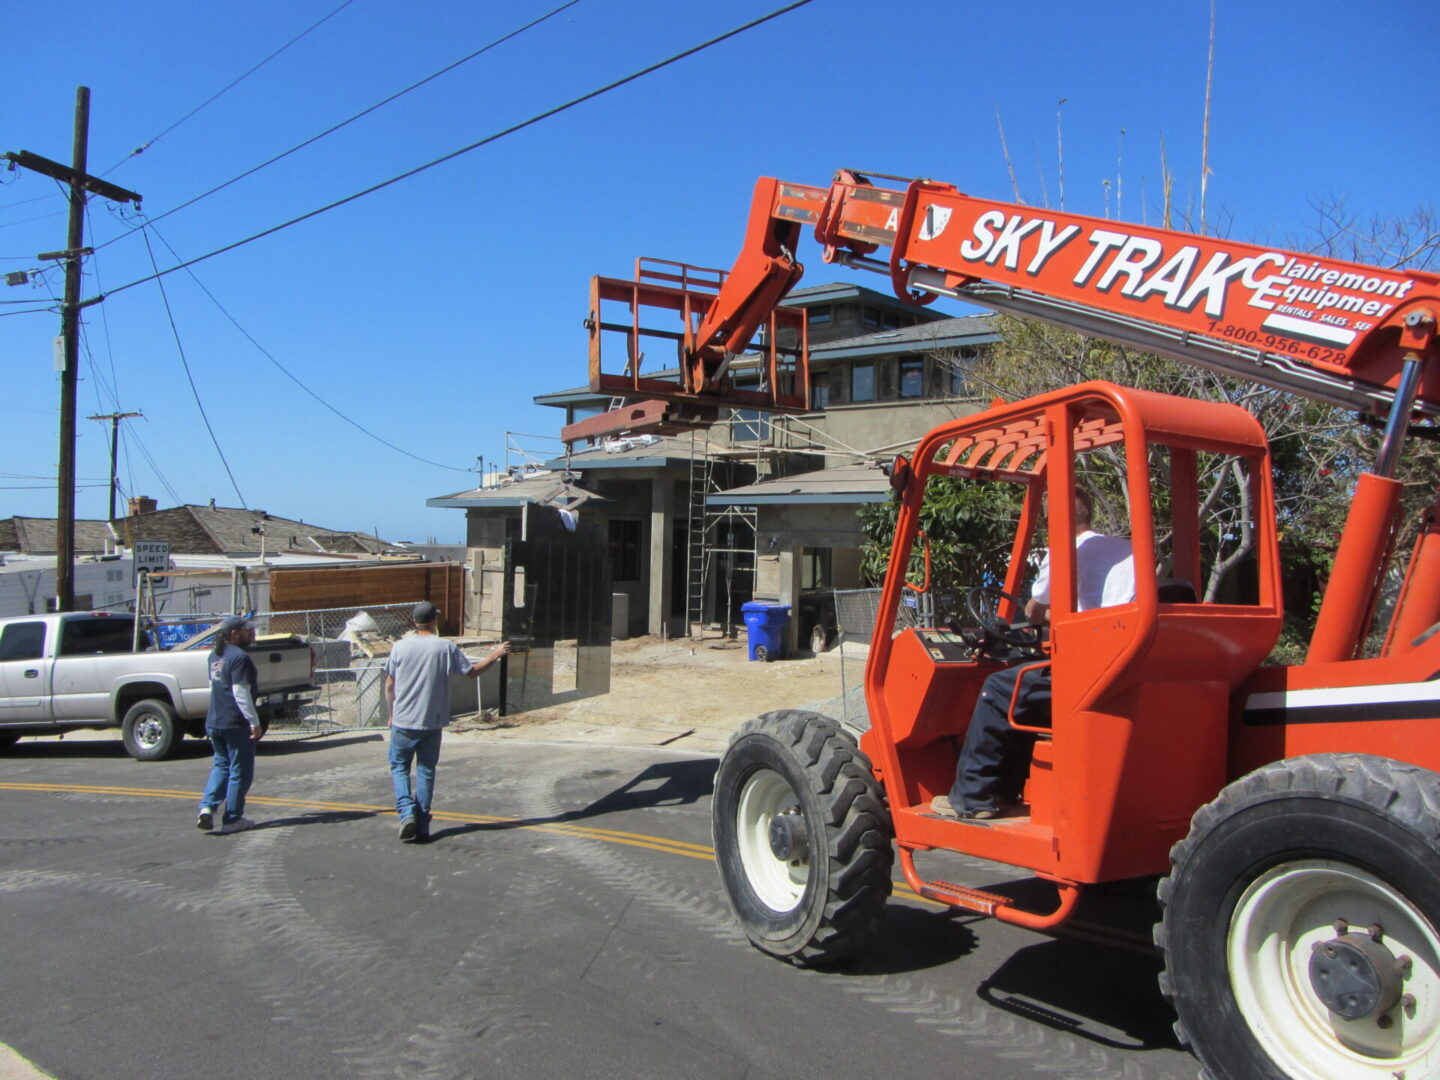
{"x":815,"y":568}
{"x":819,"y":395}
{"x":870,"y":316}
{"x":89,"y":637}
{"x":912,"y":377}
{"x":22,"y":641}
{"x":750,"y":425}
{"x":820,"y":314}
{"x":959,"y":369}
{"x":862,"y":382}
{"x":625,"y":551}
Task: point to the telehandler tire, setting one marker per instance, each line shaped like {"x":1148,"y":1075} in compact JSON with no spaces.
{"x":1301,"y":923}
{"x":802,"y":838}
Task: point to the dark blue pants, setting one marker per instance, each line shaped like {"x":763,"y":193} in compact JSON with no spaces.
{"x":995,"y":759}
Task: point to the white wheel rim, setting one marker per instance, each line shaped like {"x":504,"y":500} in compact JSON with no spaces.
{"x":779,"y":884}
{"x":1277,"y":923}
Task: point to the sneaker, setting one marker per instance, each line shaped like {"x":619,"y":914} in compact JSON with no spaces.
{"x":206,"y":820}
{"x":409,"y":828}
{"x":240,"y":824}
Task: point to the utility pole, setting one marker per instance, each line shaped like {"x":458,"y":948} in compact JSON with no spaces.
{"x":79,"y":182}
{"x":114,"y":418}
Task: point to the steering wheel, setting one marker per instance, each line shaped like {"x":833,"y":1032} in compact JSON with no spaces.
{"x":983,"y":601}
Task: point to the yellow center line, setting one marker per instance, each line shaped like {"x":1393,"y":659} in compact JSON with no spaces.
{"x":611,"y":836}
{"x":655,"y":843}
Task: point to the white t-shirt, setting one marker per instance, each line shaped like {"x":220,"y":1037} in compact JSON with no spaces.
{"x":1105,"y":566}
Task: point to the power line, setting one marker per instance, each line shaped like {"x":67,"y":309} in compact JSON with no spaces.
{"x":293,"y":378}
{"x":572,"y":103}
{"x":188,"y":375}
{"x":229,"y":86}
{"x":344,"y":123}
{"x":154,"y":466}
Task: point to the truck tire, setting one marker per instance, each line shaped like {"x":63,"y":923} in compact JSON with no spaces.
{"x":802,"y":838}
{"x":150,"y":730}
{"x":1299,"y":923}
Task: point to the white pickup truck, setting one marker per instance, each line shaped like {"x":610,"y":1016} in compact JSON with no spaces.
{"x":79,"y":670}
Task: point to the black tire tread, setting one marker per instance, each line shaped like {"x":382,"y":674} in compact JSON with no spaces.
{"x":1405,"y":793}
{"x":857,"y":842}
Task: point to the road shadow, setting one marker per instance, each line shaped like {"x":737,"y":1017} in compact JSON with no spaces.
{"x":664,"y":783}
{"x":912,"y":939}
{"x":308,"y":744}
{"x":1096,"y":991}
{"x":75,"y":748}
{"x":315,"y":817}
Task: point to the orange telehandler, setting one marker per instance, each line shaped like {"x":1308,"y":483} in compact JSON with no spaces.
{"x":1295,"y":810}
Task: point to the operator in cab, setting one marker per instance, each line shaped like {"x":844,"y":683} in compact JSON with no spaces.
{"x":995,"y":758}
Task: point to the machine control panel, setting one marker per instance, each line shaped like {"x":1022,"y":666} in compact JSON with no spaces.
{"x":946,"y":646}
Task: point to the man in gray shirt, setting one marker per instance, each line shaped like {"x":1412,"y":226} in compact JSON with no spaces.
{"x":417,"y":689}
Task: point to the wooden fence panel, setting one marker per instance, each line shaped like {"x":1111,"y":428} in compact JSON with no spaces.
{"x":443,"y":584}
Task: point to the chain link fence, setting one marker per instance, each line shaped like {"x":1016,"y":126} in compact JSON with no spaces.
{"x":856,"y":612}
{"x":350,"y":644}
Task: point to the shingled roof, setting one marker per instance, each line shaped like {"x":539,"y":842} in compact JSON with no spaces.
{"x":38,"y":536}
{"x":192,"y":530}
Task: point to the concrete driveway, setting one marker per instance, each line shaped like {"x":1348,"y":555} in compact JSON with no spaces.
{"x":566,"y":921}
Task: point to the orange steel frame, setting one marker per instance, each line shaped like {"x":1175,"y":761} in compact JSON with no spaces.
{"x":1156,"y":706}
{"x":700,"y":382}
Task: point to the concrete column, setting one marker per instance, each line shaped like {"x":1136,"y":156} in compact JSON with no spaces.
{"x":790,"y":594}
{"x":662,"y":542}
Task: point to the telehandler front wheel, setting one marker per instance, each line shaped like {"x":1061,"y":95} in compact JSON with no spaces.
{"x":802,"y":838}
{"x":1300,"y":923}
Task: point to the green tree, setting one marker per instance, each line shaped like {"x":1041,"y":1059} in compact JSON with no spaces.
{"x":970,"y":526}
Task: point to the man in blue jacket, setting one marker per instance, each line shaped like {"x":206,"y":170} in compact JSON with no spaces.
{"x":233,"y":724}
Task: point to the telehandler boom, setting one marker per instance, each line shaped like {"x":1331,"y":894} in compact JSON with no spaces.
{"x":1295,"y":810}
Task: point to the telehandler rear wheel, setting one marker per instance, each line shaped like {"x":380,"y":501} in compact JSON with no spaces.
{"x":1300,"y":923}
{"x":802,"y":837}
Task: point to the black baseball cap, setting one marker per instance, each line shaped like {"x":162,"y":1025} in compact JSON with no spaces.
{"x":233,"y":622}
{"x":424,"y":612}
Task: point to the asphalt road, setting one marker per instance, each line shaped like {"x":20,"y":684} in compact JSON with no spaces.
{"x":565,"y":921}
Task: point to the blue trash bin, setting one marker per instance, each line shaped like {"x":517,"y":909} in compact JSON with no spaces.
{"x":764,"y":622}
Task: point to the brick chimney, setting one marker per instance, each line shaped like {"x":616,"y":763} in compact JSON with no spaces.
{"x":142,"y":504}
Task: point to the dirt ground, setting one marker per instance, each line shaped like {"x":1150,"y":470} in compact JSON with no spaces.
{"x":708,"y":686}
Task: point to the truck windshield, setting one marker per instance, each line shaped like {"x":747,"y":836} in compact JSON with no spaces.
{"x":90,"y":637}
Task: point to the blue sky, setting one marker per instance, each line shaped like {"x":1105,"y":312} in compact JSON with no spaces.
{"x":431,"y":312}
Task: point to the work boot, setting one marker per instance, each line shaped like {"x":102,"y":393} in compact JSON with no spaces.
{"x":942,"y":805}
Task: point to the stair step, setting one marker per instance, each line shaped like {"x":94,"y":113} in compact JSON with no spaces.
{"x":962,"y":896}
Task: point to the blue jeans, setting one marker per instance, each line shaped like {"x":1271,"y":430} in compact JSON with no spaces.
{"x":232,"y":771}
{"x":995,"y":759}
{"x":423,"y":747}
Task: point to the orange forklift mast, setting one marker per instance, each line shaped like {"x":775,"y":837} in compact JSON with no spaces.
{"x":1289,"y":804}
